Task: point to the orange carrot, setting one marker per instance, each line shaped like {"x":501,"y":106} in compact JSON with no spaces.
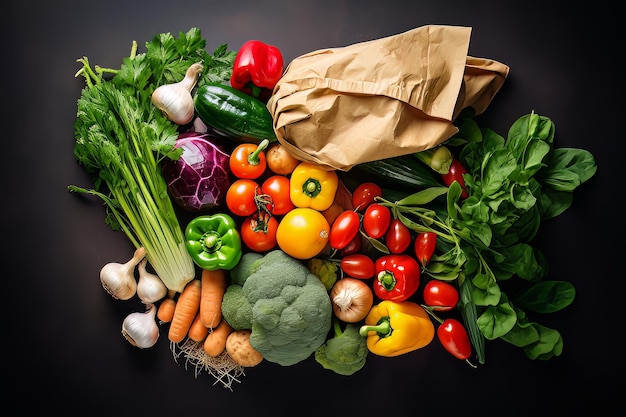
{"x":198,"y":331}
{"x":213,"y":289}
{"x":187,"y":307}
{"x":215,"y":342}
{"x":166,"y":310}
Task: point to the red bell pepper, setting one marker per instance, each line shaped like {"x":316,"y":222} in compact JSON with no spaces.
{"x":397,"y":277}
{"x":257,"y":68}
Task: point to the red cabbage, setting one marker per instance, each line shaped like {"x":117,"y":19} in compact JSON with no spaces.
{"x":200,"y":178}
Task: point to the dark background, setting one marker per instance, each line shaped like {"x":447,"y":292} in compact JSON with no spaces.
{"x":63,"y":349}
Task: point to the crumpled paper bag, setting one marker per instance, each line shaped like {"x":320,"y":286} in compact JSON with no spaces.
{"x":378,"y":99}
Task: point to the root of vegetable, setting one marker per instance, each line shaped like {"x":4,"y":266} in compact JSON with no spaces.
{"x":222,"y":368}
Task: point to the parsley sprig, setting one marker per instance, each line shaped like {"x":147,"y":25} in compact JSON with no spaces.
{"x":121,"y":139}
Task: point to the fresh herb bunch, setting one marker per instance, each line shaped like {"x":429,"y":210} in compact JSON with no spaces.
{"x":121,"y":138}
{"x":485,"y":240}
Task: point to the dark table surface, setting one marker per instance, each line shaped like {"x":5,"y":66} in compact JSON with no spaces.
{"x":63,"y":349}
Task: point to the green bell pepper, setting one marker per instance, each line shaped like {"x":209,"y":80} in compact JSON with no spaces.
{"x":213,"y":241}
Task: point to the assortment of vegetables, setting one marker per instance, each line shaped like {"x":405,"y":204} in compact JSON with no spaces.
{"x":300,"y":262}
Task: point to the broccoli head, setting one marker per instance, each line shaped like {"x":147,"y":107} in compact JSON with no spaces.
{"x":346,"y":352}
{"x":291,"y":311}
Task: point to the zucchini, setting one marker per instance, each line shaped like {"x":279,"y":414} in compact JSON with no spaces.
{"x":234,"y":113}
{"x":404,"y":172}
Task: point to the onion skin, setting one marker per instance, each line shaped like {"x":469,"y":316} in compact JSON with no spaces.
{"x":352,"y":299}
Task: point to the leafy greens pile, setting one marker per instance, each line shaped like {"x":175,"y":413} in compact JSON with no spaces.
{"x":121,"y":137}
{"x":485,"y":240}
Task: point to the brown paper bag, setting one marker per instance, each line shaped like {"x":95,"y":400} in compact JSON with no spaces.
{"x":387,"y":97}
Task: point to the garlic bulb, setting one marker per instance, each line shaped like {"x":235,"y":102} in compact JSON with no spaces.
{"x":118,"y":279}
{"x":150,"y":288}
{"x":141,"y":329}
{"x":175,"y":100}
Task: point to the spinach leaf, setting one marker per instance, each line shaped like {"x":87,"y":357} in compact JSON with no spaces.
{"x":498,"y":320}
{"x":567,"y":168}
{"x":546,"y":296}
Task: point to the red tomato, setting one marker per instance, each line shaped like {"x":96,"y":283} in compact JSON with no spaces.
{"x":456,"y":174}
{"x":454,"y":338}
{"x":259,"y":232}
{"x":398,"y":237}
{"x":241,"y":197}
{"x":440,"y":295}
{"x":376,"y":220}
{"x":344,"y":229}
{"x":358,"y":265}
{"x":353,"y":247}
{"x":248,"y":160}
{"x":277,"y":187}
{"x":364,"y":195}
{"x":425,"y":245}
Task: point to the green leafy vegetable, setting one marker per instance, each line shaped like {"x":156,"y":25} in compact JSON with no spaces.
{"x":121,"y":139}
{"x":346,"y":352}
{"x":485,"y":240}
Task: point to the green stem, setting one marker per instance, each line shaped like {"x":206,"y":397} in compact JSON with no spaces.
{"x":383,"y":328}
{"x":253,"y":158}
{"x":337,"y":327}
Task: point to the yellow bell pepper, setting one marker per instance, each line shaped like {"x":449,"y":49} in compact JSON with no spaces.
{"x":394,"y":328}
{"x":312,"y":186}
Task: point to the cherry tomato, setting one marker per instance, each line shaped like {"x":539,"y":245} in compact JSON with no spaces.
{"x":456,"y":174}
{"x":278,"y":188}
{"x":358,"y":265}
{"x":241,"y":197}
{"x":353,"y":247}
{"x":440,"y":295}
{"x":376,"y":220}
{"x":248,"y":160}
{"x":364,"y":195}
{"x":303,"y":233}
{"x":425,"y":245}
{"x":344,"y":229}
{"x":258,"y":232}
{"x":454,"y":338}
{"x":398,"y":237}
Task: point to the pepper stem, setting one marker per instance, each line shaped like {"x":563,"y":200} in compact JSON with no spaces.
{"x":387,"y":280}
{"x":382,"y":328}
{"x":253,"y":158}
{"x":212,"y":242}
{"x":311,"y":187}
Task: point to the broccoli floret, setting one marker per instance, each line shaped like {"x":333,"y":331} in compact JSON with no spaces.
{"x":244,"y":268}
{"x":290,"y":307}
{"x":236,"y":309}
{"x":346,"y":352}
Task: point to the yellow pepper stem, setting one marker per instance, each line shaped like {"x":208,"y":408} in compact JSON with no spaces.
{"x":382,"y":328}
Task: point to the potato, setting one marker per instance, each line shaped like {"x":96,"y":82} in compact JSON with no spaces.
{"x":240,"y":350}
{"x":279,"y":160}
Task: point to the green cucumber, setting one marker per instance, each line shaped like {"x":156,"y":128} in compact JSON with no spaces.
{"x":234,"y":113}
{"x":404,"y":172}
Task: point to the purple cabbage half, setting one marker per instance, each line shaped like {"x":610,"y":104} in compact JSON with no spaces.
{"x":200,"y":178}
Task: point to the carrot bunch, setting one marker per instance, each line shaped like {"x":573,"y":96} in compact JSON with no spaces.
{"x":197,"y":313}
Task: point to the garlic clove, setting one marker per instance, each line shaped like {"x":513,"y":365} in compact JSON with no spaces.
{"x":118,"y":279}
{"x":150,"y":288}
{"x":141,"y":329}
